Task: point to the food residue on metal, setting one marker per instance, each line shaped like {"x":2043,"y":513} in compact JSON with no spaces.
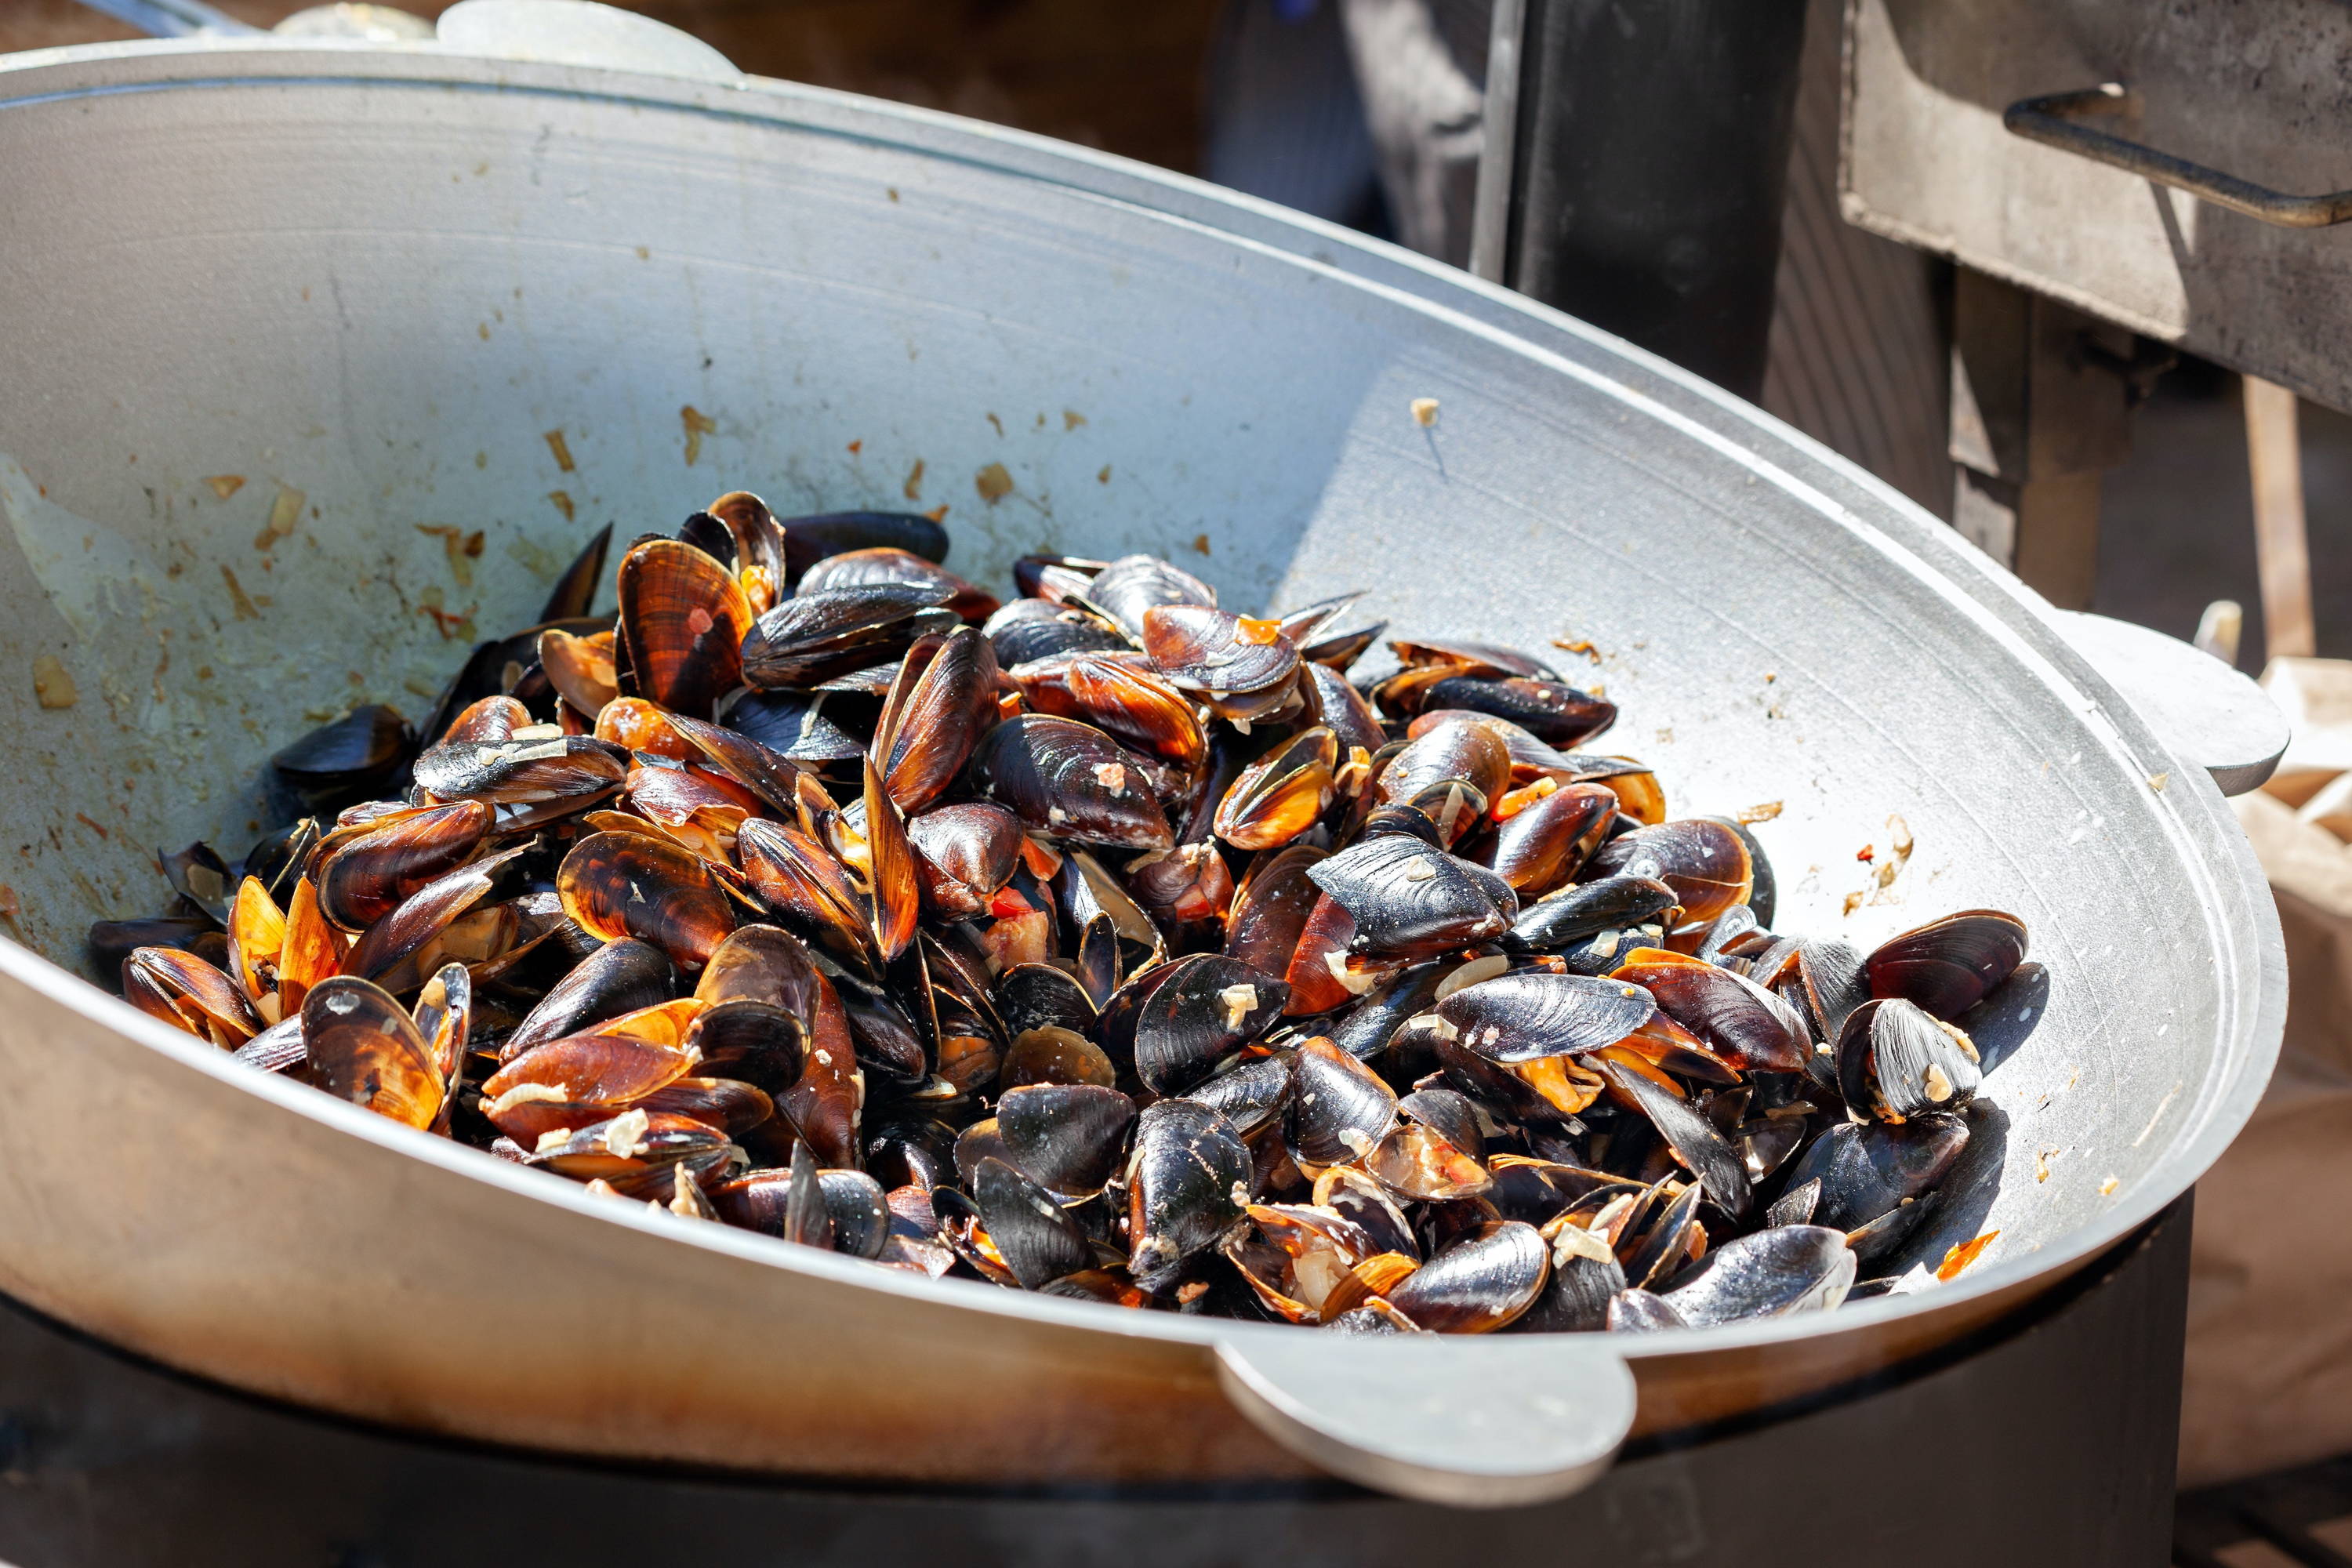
{"x":1103,"y":478}
{"x":2041,"y":1163}
{"x":938,"y":513}
{"x":915,"y":481}
{"x":94,"y":827}
{"x":2107,"y":1188}
{"x":1764,"y":811}
{"x":992,"y":482}
{"x":2158,"y":781}
{"x":856,"y":447}
{"x":1961,"y":1255}
{"x":1072,"y":418}
{"x":225,"y":485}
{"x":1577,"y":645}
{"x":2161,"y":1107}
{"x":462,"y":548}
{"x":242,"y":605}
{"x":10,"y":905}
{"x":52,"y":685}
{"x":993,"y":419}
{"x":285,"y":513}
{"x":562,"y":500}
{"x":698,"y":425}
{"x":562,"y":449}
{"x":1425,"y":412}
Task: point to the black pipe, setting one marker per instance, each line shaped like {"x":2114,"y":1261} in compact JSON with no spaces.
{"x":1651,"y":155}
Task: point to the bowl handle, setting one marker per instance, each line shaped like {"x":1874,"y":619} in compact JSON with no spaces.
{"x":1469,"y":1421}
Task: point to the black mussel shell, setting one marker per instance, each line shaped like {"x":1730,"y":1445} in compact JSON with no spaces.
{"x":1479,"y":1284}
{"x":1554,"y":713}
{"x":349,"y":759}
{"x":1187,"y":1182}
{"x":618,"y":977}
{"x":793,"y":724}
{"x":809,"y":540}
{"x":1867,"y":1168}
{"x":1522,"y":1017}
{"x":1251,"y":1093}
{"x":1896,"y":1060}
{"x":1948,"y":965}
{"x":1340,"y":1109}
{"x":1705,"y":862}
{"x":1026,"y":630}
{"x":1412,"y":900}
{"x":1746,"y":1025}
{"x":1577,"y":914}
{"x":1640,"y":1312}
{"x":1366,"y":1027}
{"x":1039,"y":995}
{"x":806,"y":639}
{"x":1068,"y":1137}
{"x":1132,"y":585}
{"x":1585,"y":1277}
{"x":1692,"y":1138}
{"x":1070,"y":780}
{"x":1193,"y":1013}
{"x":1769,"y":1273}
{"x":1038,"y":1240}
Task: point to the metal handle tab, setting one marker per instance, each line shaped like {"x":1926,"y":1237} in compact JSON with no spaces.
{"x":2205,"y":713}
{"x":1469,"y":1421}
{"x":2056,"y":121}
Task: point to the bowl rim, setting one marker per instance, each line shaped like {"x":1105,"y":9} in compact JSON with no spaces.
{"x":2249,"y":950}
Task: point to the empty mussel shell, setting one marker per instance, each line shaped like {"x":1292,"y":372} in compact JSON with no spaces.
{"x":1481,"y":1283}
{"x":1410,"y":900}
{"x":1867,"y":1168}
{"x":1068,"y":1137}
{"x":1706,"y":863}
{"x":1533,"y":1013}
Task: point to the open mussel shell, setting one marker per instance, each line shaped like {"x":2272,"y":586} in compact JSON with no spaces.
{"x":575,"y":592}
{"x":1340,"y":1109}
{"x":576,"y":1080}
{"x":395,"y":951}
{"x":1769,"y":1273}
{"x":1189,"y":883}
{"x":1585,"y":1277}
{"x":801,"y":881}
{"x":1695,"y":1143}
{"x":1747,"y":1026}
{"x":1533,"y":1013}
{"x":1481,"y":1283}
{"x":1036,"y":1238}
{"x":1036,"y":995}
{"x":630,"y":884}
{"x":1658,"y":1252}
{"x":1433,"y":1154}
{"x":1188,"y":1180}
{"x":537,"y":773}
{"x":1895,"y":1061}
{"x":1279,"y":797}
{"x":190,"y":993}
{"x":1868,"y":1169}
{"x":580,"y":668}
{"x":1068,"y":1137}
{"x":1226,"y":658}
{"x":1070,"y":780}
{"x":1181,"y":1018}
{"x":1451,"y":772}
{"x":682,"y":623}
{"x":1134,"y":704}
{"x":366,"y":1049}
{"x":1948,"y":967}
{"x":1705,"y":862}
{"x":1827,"y":981}
{"x":1409,"y":900}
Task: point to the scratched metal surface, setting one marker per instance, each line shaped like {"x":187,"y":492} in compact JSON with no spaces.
{"x":385,"y":281}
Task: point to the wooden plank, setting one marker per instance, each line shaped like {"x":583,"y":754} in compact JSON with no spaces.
{"x":2274,"y":455}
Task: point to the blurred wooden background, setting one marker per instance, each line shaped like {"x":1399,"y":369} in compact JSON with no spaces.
{"x":1123,"y":77}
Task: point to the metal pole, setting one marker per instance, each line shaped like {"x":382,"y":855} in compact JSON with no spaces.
{"x":1490,"y":215}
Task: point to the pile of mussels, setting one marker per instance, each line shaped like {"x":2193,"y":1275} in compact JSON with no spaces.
{"x":1103,"y":943}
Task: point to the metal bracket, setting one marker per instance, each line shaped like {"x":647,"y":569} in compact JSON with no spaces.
{"x":2055,"y":121}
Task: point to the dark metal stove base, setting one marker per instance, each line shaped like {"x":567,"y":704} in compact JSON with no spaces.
{"x":2052,"y":1445}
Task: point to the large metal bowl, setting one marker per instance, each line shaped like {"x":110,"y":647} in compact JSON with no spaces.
{"x":397,"y":290}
